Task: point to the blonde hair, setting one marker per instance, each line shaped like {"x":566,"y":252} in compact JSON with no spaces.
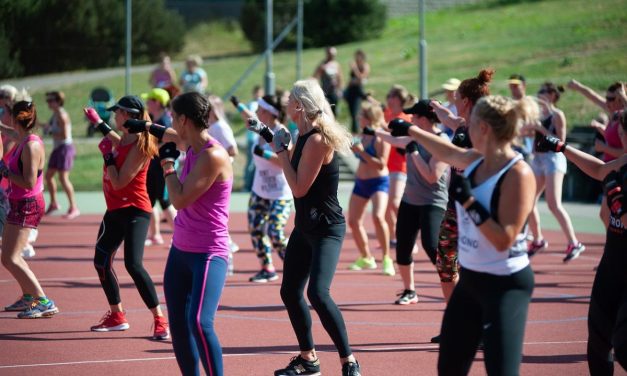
{"x":316,"y":109}
{"x":8,"y":92}
{"x":374,"y":113}
{"x":506,"y":116}
{"x":399,"y":91}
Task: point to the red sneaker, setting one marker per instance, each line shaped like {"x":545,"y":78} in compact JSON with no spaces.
{"x":162,"y":329}
{"x":111,"y":321}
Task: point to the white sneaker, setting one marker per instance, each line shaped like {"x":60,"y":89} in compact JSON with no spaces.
{"x":32,"y":236}
{"x":28,"y":251}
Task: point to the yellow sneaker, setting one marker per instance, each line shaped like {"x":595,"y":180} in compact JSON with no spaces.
{"x":388,"y":266}
{"x":363,"y":263}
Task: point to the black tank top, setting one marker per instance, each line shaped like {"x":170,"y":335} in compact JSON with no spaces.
{"x":616,"y":230}
{"x":319,"y":207}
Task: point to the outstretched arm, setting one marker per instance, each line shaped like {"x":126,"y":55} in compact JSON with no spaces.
{"x":443,"y":150}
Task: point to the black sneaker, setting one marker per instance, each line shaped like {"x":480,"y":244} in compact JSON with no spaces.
{"x":300,"y":366}
{"x":435,"y":339}
{"x":407,"y":297}
{"x":573,"y":251}
{"x":351,"y":369}
{"x":264,"y":276}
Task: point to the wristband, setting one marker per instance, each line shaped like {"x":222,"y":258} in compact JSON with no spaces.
{"x":267,"y":154}
{"x":164,"y":161}
{"x":267,"y":134}
{"x":109,"y":160}
{"x":104,"y":128}
{"x":477,"y":213}
{"x":241,"y":107}
{"x":168,"y":172}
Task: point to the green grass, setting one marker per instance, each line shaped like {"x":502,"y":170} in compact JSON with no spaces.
{"x":544,"y":40}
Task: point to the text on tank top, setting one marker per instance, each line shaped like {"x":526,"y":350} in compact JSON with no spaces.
{"x":476,"y":252}
{"x":319,"y":206}
{"x":269,"y":180}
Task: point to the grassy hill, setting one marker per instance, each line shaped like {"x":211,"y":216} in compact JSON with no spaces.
{"x":544,"y":40}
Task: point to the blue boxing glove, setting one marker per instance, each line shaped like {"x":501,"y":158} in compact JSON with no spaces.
{"x":462,"y":193}
{"x":399,"y":127}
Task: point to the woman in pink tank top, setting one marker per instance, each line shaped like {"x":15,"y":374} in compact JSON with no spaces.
{"x":24,"y":172}
{"x":197,"y":264}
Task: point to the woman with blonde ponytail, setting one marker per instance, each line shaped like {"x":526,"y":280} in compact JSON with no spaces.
{"x":492,"y":297}
{"x":312,"y":171}
{"x":126,"y":160}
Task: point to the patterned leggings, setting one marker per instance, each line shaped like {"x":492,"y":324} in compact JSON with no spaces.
{"x":273,"y":214}
{"x":446,"y":260}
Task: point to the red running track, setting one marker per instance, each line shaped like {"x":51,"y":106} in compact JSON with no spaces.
{"x":253,"y":326}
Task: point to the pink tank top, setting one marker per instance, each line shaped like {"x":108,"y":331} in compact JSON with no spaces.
{"x":612,"y":137}
{"x":202,"y":227}
{"x":15,"y":191}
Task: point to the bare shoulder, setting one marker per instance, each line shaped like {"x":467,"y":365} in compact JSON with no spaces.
{"x":315,"y":143}
{"x":521,"y":174}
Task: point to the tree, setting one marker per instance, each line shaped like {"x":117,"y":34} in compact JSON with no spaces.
{"x":326,"y":22}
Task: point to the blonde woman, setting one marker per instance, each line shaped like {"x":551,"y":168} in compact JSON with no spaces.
{"x":372,"y":183}
{"x":313,"y":251}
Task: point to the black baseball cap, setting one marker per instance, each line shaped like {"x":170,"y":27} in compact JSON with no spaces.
{"x":422,"y":108}
{"x":129,"y":103}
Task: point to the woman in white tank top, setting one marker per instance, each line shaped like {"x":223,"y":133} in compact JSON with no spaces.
{"x":494,"y":198}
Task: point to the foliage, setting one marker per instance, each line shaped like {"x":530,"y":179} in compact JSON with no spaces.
{"x":49,"y":36}
{"x":326,"y":22}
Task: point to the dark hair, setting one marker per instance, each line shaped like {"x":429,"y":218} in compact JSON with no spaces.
{"x":193,"y":105}
{"x":614,"y":87}
{"x":25,"y":113}
{"x":476,"y":87}
{"x":58,"y":96}
{"x":552,"y":88}
{"x":275,"y":102}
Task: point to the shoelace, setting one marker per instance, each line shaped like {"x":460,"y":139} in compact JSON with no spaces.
{"x":105,"y":317}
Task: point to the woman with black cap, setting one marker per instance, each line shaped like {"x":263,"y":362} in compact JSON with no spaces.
{"x":126,"y":160}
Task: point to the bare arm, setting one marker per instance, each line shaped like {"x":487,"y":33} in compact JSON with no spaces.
{"x":443,"y":150}
{"x":64,"y":122}
{"x":593,"y":96}
{"x":592,"y":166}
{"x":212,"y":165}
{"x":314,"y":154}
{"x":446,"y":117}
{"x":512,"y":218}
{"x":399,"y":142}
{"x":560,"y":125}
{"x":32,"y":157}
{"x":132,"y":165}
{"x":432,"y":171}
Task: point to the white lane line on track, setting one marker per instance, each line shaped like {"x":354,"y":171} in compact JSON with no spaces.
{"x":357,"y":349}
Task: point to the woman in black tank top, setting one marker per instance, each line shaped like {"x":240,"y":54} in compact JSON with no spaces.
{"x":313,"y":251}
{"x":607,"y":315}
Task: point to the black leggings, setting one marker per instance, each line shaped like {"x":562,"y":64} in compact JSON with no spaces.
{"x":155,"y":185}
{"x":607,"y":315}
{"x":410,"y":220}
{"x":491,"y":306}
{"x":353,"y":96}
{"x":314,"y":256}
{"x":130,"y":225}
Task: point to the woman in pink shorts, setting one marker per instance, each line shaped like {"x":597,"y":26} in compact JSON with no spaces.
{"x":26,"y":200}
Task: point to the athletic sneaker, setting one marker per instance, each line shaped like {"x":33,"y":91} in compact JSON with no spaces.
{"x":71,"y":214}
{"x":536,"y":246}
{"x":363,"y":263}
{"x":162,"y":329}
{"x":351,"y":369}
{"x":111,"y":321}
{"x":21,"y":304}
{"x":573,"y":251}
{"x":28,"y":251}
{"x":300,"y":366}
{"x":39,"y":308}
{"x":407,"y":297}
{"x":388,"y":266}
{"x":264,"y":276}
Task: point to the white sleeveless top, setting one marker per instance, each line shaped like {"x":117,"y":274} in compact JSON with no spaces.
{"x":475,"y":250}
{"x":269,"y":181}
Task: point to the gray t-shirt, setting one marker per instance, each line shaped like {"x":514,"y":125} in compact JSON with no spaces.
{"x":418,"y":191}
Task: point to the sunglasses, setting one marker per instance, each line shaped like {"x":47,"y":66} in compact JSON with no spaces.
{"x":609,"y":99}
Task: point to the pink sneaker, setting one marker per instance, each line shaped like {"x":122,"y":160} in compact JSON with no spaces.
{"x":51,"y":209}
{"x":72,"y":213}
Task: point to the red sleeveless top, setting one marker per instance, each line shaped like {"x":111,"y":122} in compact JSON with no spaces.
{"x":132,"y":194}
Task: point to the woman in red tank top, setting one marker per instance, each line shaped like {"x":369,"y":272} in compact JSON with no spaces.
{"x":128,"y":213}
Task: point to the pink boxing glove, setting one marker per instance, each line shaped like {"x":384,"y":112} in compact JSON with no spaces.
{"x":105,"y":146}
{"x":92,"y":115}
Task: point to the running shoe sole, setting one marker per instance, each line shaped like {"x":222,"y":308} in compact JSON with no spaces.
{"x":41,"y":315}
{"x":264,"y":280}
{"x":408,"y":302}
{"x":117,"y":328}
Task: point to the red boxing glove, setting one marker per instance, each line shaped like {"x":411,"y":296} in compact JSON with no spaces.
{"x":105,"y":146}
{"x":92,"y":115}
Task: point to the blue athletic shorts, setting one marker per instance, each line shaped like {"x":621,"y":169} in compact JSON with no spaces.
{"x":367,"y":187}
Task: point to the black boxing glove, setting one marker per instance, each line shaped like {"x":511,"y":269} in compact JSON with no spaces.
{"x":399,"y":127}
{"x":549,"y":143}
{"x":168,"y":153}
{"x":462,"y":193}
{"x":461,"y":138}
{"x":411,"y":147}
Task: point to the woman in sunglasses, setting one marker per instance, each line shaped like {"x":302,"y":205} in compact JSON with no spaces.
{"x":613,"y":104}
{"x":24,"y":173}
{"x":549,"y":169}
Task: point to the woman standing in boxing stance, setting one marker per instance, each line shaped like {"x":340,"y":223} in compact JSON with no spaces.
{"x":126,"y":160}
{"x":312,"y":172}
{"x":494,"y":290}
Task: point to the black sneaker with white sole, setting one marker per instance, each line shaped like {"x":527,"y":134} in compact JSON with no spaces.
{"x":300,"y":367}
{"x":351,"y":369}
{"x":264,"y":276}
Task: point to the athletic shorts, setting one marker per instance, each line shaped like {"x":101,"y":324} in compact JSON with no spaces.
{"x":544,"y":164}
{"x":62,"y":157}
{"x":26,"y":212}
{"x":367,"y":187}
{"x":398,"y":176}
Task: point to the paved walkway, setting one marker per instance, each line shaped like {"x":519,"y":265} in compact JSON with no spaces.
{"x":585,"y":217}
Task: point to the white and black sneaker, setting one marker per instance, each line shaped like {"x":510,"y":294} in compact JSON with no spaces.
{"x":573,"y":251}
{"x":300,"y":366}
{"x":264,"y":276}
